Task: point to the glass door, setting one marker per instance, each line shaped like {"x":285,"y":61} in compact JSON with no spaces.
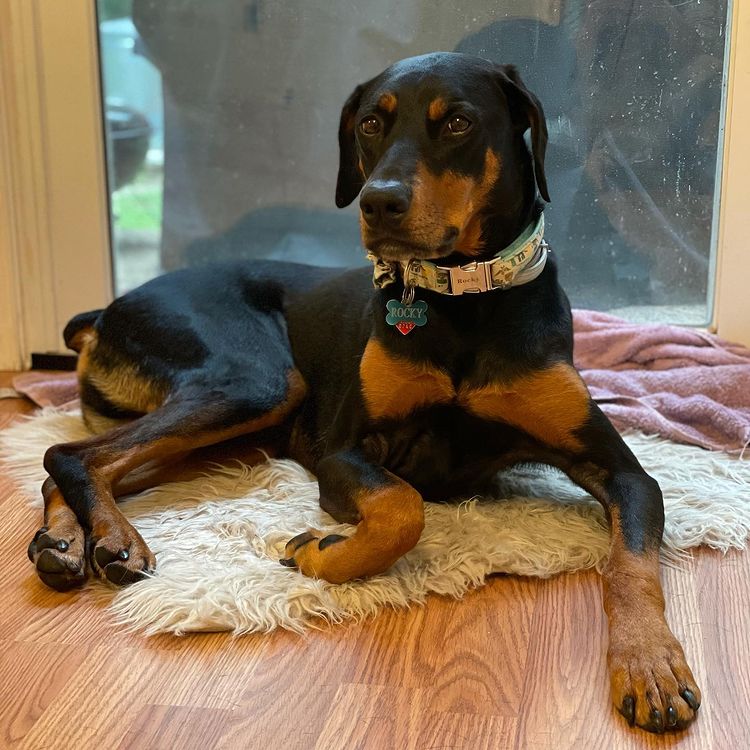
{"x":222,"y":119}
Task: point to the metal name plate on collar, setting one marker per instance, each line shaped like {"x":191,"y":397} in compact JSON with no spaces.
{"x":470,"y":278}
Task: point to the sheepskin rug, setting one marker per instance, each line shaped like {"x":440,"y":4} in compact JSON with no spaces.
{"x":218,"y":539}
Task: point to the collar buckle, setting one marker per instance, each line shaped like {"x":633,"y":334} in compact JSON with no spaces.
{"x":470,"y":278}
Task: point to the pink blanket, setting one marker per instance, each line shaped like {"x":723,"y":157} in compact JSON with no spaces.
{"x":48,"y":388}
{"x":686,"y":385}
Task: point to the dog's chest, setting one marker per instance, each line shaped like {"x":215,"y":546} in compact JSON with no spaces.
{"x":549,"y":404}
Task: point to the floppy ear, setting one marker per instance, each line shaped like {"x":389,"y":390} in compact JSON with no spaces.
{"x":526,"y":111}
{"x":350,"y":180}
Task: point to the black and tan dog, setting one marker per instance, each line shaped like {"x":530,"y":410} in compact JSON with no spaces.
{"x":414,"y":390}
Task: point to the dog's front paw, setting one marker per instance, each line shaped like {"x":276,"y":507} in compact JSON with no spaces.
{"x":652,"y":685}
{"x":307,"y":552}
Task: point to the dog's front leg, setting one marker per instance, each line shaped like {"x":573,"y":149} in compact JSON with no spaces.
{"x":389,"y":514}
{"x":652,"y":685}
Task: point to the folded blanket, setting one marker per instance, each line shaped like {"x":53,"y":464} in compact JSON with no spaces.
{"x":47,"y":388}
{"x":686,"y":385}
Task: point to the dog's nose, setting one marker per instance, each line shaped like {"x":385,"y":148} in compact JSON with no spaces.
{"x":384,"y":202}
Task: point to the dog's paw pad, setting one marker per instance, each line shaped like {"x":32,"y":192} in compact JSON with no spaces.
{"x":327,"y":541}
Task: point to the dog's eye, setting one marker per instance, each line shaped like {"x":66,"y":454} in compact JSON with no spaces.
{"x":458,"y":125}
{"x":370,"y":125}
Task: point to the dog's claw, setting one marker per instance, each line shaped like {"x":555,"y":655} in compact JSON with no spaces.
{"x":300,"y":540}
{"x":671,"y":717}
{"x":690,"y":699}
{"x":628,"y":709}
{"x":657,"y":720}
{"x":34,"y":543}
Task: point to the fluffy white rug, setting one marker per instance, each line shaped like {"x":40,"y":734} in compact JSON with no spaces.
{"x":218,"y":539}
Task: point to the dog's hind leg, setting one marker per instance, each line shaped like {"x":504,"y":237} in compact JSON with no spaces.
{"x":58,"y":549}
{"x":87,"y":473}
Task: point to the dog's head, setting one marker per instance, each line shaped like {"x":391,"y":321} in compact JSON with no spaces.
{"x":435,"y":145}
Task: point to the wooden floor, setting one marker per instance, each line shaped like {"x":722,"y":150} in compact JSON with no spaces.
{"x":517,"y":664}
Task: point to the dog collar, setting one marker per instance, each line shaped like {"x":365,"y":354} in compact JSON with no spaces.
{"x":517,"y":264}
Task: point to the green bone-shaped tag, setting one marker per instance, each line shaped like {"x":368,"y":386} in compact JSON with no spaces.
{"x":406,"y":317}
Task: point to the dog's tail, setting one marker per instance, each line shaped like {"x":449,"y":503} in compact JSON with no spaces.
{"x":79,"y":329}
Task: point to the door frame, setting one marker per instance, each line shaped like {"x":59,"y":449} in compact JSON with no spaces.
{"x":54,"y":207}
{"x":731,"y":302}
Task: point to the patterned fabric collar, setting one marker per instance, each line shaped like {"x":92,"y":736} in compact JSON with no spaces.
{"x":519,"y":263}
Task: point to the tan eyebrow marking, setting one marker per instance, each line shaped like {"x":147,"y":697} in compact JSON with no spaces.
{"x":388,"y":102}
{"x":437,"y":108}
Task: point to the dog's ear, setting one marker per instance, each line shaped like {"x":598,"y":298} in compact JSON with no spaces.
{"x":526,"y":111}
{"x":350,"y":179}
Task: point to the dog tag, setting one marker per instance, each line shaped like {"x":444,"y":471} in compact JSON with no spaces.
{"x":405,"y":318}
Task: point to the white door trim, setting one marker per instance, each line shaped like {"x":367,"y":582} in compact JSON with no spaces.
{"x":54,"y":188}
{"x":11,"y":330}
{"x":731,"y":291}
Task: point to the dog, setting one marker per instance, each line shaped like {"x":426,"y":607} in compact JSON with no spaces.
{"x":453,"y":362}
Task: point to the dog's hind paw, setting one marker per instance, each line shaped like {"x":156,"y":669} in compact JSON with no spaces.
{"x":120,"y":555}
{"x":58,"y":553}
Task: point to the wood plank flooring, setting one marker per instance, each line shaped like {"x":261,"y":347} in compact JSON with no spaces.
{"x":518,"y":664}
